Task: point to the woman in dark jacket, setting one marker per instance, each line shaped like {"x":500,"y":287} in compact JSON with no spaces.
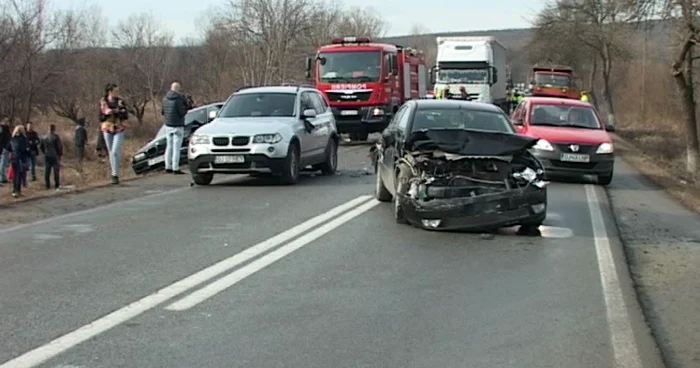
{"x":19,"y":147}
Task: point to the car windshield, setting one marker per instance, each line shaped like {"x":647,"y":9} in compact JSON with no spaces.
{"x":564,"y":116}
{"x":348,"y":67}
{"x":451,"y":118}
{"x":472,"y":76}
{"x":259,"y":105}
{"x":552,"y":80}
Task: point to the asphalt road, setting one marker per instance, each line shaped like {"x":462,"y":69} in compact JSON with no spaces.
{"x":224,"y":276}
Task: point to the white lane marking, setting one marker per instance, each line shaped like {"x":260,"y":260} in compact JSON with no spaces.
{"x":140,"y":200}
{"x":262,"y":262}
{"x":100,"y":325}
{"x":621,"y":333}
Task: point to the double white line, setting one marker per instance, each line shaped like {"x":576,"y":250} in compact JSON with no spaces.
{"x":344,"y":213}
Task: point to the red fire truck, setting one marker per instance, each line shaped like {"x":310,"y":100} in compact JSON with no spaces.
{"x":366,"y":82}
{"x":554,"y":81}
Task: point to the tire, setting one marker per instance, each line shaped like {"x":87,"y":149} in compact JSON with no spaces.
{"x":398,"y":209}
{"x":290,"y":171}
{"x":380,"y":191}
{"x":363,"y":135}
{"x":202,"y":179}
{"x":605,"y":179}
{"x":330,"y":166}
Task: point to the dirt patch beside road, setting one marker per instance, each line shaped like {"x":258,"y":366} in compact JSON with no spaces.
{"x":662,"y":243}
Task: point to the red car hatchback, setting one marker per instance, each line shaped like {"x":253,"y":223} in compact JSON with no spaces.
{"x":573,"y":139}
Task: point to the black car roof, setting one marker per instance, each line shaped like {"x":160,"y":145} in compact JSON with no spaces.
{"x":455,"y":104}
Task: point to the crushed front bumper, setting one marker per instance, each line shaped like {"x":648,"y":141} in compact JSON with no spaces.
{"x":514,"y":207}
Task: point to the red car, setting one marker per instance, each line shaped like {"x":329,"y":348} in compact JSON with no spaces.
{"x":574,"y":141}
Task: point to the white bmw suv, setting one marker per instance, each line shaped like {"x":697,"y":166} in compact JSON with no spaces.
{"x":279,"y":130}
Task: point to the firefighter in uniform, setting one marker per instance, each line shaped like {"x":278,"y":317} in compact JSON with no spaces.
{"x":585,"y":97}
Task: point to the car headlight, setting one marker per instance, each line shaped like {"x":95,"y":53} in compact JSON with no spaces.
{"x":200,"y":139}
{"x":605,"y":148}
{"x":543,"y":145}
{"x":139,"y":156}
{"x":377,"y":112}
{"x":267,"y":138}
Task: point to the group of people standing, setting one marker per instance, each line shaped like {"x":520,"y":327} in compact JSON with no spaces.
{"x":20,"y":146}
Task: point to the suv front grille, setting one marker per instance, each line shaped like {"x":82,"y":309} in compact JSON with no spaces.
{"x":348,"y":97}
{"x":220,"y":141}
{"x":240,"y":141}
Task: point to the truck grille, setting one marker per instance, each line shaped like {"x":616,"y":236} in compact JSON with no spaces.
{"x":220,"y":141}
{"x":582,"y":148}
{"x":348,"y":97}
{"x":240,"y":141}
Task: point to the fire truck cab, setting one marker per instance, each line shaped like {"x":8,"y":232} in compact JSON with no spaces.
{"x":366,"y":82}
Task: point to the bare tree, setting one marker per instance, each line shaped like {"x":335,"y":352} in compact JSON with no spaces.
{"x":682,"y":70}
{"x":600,"y":27}
{"x":147,"y":51}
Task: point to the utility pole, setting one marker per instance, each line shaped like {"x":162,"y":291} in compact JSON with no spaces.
{"x":644,"y":69}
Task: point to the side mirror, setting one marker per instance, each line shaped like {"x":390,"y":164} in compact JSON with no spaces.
{"x":610,"y":128}
{"x":388,"y":138}
{"x":308,"y":114}
{"x":432,"y":72}
{"x":212,"y":114}
{"x":309,"y":66}
{"x":494,"y":74}
{"x":394,"y":66}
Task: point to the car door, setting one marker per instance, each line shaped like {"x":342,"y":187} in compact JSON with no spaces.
{"x":309,"y":142}
{"x":324,"y":119}
{"x":389,"y":151}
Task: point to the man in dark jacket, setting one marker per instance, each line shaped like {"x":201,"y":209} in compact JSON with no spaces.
{"x":52,"y":147}
{"x":174,"y":109}
{"x":5,"y":136}
{"x":34,"y":142}
{"x":80,"y":140}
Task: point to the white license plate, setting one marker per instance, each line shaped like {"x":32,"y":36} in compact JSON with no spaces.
{"x":575,"y":158}
{"x":156,"y":160}
{"x":229,"y":159}
{"x":348,"y":112}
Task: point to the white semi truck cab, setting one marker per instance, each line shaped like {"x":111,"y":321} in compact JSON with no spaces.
{"x":473,"y":63}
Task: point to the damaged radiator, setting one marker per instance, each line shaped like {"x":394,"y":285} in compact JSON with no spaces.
{"x":436,"y":175}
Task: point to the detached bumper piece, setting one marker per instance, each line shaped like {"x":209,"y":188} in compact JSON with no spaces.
{"x":488,"y":211}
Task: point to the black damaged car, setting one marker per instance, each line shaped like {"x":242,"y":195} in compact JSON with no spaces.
{"x":458,"y":165}
{"x":151,"y":157}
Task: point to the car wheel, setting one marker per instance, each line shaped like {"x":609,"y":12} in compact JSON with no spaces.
{"x":363,"y":135}
{"x":400,"y":189}
{"x":331,"y":164}
{"x":380,"y":191}
{"x":202,"y":179}
{"x":605,"y":179}
{"x":290,"y":173}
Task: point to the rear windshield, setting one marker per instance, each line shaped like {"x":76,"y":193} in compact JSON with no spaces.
{"x":564,"y":116}
{"x":461,"y":119}
{"x":259,"y":105}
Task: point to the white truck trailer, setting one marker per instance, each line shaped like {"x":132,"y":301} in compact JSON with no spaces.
{"x":473,"y":62}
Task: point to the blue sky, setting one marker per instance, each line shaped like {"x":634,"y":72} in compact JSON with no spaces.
{"x":181,"y":16}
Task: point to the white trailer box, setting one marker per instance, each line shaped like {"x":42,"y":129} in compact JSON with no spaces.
{"x":477,"y":63}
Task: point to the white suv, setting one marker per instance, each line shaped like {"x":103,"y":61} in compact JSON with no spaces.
{"x":279,"y":130}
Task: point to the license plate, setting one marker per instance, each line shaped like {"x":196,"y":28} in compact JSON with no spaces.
{"x":229,"y":159}
{"x":575,"y":158}
{"x":156,"y":160}
{"x":348,"y":112}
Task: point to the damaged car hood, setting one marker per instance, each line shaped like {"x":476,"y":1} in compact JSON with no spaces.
{"x":468,"y":142}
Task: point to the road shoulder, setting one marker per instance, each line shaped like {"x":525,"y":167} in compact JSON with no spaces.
{"x":662,"y":244}
{"x":25,"y":212}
